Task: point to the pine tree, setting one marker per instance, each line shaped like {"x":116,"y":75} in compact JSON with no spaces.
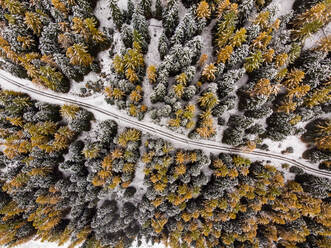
{"x":238,"y":38}
{"x":33,"y":21}
{"x":60,"y":6}
{"x":294,"y":77}
{"x":170,"y":19}
{"x":27,"y":41}
{"x":69,"y":112}
{"x":158,"y":10}
{"x":263,"y":87}
{"x":269,"y":55}
{"x":209,"y":72}
{"x":254,"y":61}
{"x":78,"y":55}
{"x":310,"y":21}
{"x":324,"y":139}
{"x":298,"y":91}
{"x":324,"y":44}
{"x":14,"y":7}
{"x":319,"y":96}
{"x":79,"y":27}
{"x":262,"y":41}
{"x":140,"y":24}
{"x":179,"y":89}
{"x":116,"y":13}
{"x":287,"y":106}
{"x":224,"y":54}
{"x":151,"y":74}
{"x":163,"y":45}
{"x":222,"y":6}
{"x":203,"y":10}
{"x":208,"y":100}
{"x":146,"y":6}
{"x":65,"y":40}
{"x":96,"y":34}
{"x":52,"y":79}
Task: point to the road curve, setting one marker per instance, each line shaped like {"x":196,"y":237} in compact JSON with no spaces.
{"x":171,"y":136}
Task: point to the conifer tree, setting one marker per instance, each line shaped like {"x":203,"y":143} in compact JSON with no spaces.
{"x":146,"y":6}
{"x":79,"y":55}
{"x":203,"y":10}
{"x":158,"y":10}
{"x":33,"y":21}
{"x":117,"y":15}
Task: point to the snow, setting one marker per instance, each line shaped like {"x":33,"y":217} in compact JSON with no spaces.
{"x":284,"y":7}
{"x":102,"y":12}
{"x":38,"y":244}
{"x":291,"y":141}
{"x":153,"y":56}
{"x":207,"y":41}
{"x":313,"y":40}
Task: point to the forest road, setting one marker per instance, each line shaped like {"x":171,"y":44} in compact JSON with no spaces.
{"x":167,"y":134}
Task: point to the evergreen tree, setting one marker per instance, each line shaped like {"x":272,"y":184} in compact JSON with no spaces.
{"x":117,"y":15}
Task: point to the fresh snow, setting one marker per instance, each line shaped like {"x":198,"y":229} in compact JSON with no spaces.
{"x":284,"y":6}
{"x":313,"y":40}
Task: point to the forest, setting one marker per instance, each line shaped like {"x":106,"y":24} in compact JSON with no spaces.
{"x":66,"y":177}
{"x":253,"y":80}
{"x":238,"y":72}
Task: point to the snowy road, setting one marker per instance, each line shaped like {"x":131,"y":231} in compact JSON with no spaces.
{"x":153,"y":129}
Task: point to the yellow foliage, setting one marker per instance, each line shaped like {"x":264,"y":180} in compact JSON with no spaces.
{"x":209,"y":72}
{"x":294,"y":78}
{"x":262,"y":41}
{"x":224,"y":54}
{"x":222,"y":5}
{"x":263,"y":87}
{"x":179,"y":89}
{"x":238,"y":38}
{"x":33,"y":22}
{"x":319,"y":96}
{"x":135,"y":96}
{"x":60,"y":6}
{"x":151,"y":74}
{"x":180,"y":170}
{"x":93,"y":152}
{"x":129,"y":135}
{"x":324,"y":44}
{"x":205,"y":131}
{"x":118,"y":64}
{"x":262,"y":19}
{"x":131,"y":75}
{"x":69,"y":111}
{"x":298,"y":91}
{"x":79,"y":55}
{"x":27,"y":41}
{"x":203,"y":10}
{"x":203,"y":59}
{"x":182,"y":78}
{"x":269,"y":55}
{"x":208,"y":100}
{"x":15,"y":121}
{"x":281,"y":59}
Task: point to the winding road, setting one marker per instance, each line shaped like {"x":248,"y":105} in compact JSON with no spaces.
{"x":167,"y":134}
